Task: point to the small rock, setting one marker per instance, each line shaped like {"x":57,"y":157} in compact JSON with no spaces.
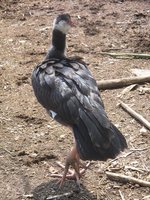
{"x":52,"y":170}
{"x":33,"y":155}
{"x":61,"y":138}
{"x":143,"y":130}
{"x":17,"y":137}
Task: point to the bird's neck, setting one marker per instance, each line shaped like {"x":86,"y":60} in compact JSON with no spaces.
{"x":57,"y":49}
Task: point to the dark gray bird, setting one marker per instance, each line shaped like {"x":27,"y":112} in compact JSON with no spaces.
{"x":69,"y":93}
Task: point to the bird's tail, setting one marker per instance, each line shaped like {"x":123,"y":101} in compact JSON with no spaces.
{"x":96,"y":142}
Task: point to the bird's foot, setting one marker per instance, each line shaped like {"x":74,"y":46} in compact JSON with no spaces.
{"x":74,"y":161}
{"x":71,"y":174}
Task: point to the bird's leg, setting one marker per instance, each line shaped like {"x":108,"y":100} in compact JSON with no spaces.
{"x":74,"y":161}
{"x":64,"y":175}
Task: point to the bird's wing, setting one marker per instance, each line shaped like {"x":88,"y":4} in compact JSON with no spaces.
{"x":69,"y":86}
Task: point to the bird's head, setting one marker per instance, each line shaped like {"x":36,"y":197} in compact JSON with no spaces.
{"x":63,"y":23}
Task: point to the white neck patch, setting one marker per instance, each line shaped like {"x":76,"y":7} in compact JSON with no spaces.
{"x":62,"y":26}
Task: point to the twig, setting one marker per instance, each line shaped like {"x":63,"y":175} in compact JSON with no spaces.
{"x":136,"y":169}
{"x":7,"y":151}
{"x":127,"y":55}
{"x":118,"y":83}
{"x":134,"y":114}
{"x":67,"y":194}
{"x":127,"y":179}
{"x":122,"y":156}
{"x":140,"y":149}
{"x":127,"y":154}
{"x":121,"y":195}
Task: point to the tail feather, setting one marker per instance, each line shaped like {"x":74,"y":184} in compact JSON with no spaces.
{"x":95,"y":142}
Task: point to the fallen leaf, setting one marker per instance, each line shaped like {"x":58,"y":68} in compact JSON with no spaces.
{"x":128,"y":89}
{"x":140,"y":72}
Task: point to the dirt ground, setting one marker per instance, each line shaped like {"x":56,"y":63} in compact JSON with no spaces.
{"x":31,"y":142}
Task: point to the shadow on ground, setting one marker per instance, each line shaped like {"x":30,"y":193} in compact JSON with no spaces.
{"x":69,"y":191}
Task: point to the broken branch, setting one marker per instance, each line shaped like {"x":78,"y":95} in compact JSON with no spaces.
{"x":136,"y":115}
{"x":127,"y":179}
{"x":118,"y":83}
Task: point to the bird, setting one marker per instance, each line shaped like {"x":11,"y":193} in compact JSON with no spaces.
{"x":66,"y":88}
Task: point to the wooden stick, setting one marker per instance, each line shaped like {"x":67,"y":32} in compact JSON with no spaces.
{"x":121,"y":195}
{"x":127,"y":55}
{"x":67,"y":194}
{"x":137,"y":116}
{"x":118,"y":83}
{"x":127,"y":179}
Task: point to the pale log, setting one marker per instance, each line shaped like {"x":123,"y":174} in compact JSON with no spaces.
{"x":126,"y":55}
{"x":118,"y":83}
